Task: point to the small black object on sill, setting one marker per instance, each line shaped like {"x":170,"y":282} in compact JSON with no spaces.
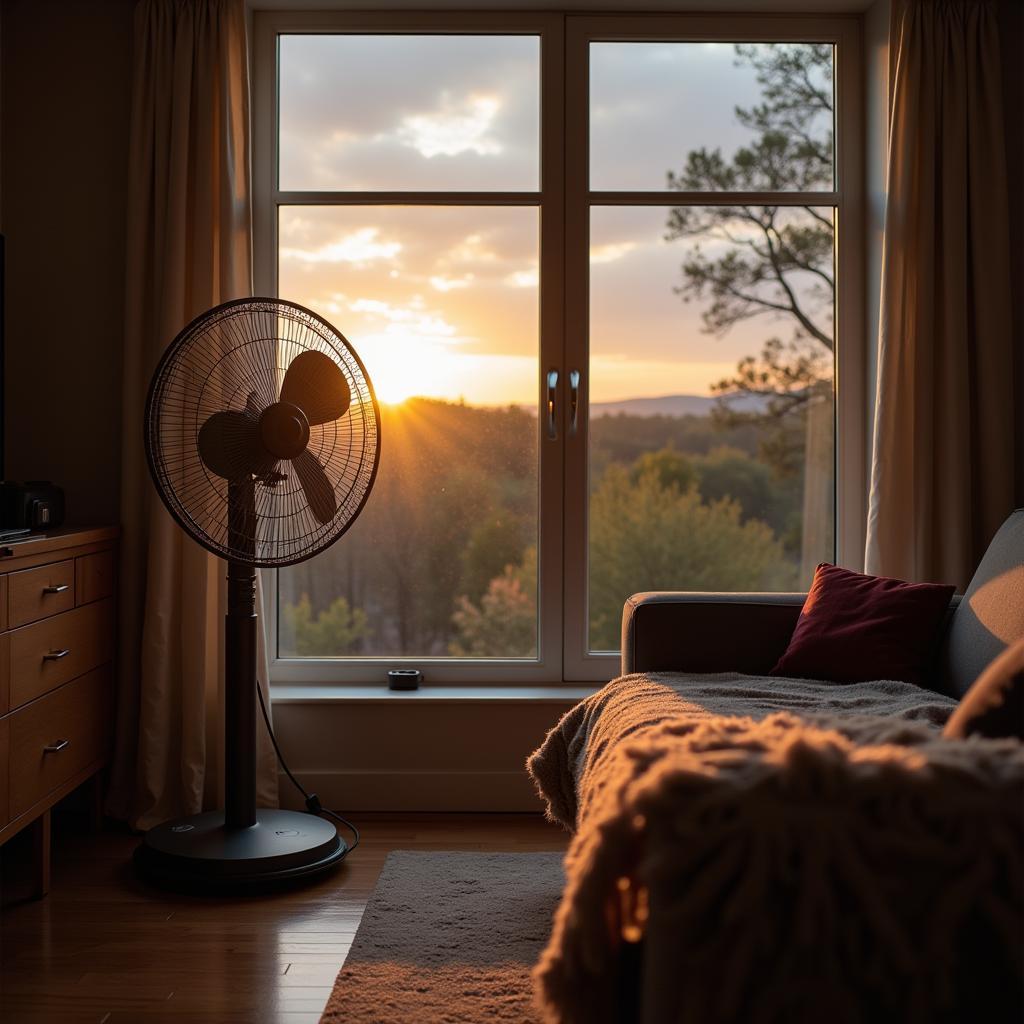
{"x":404,"y":679}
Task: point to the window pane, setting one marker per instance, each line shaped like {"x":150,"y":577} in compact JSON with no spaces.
{"x":409,"y":112}
{"x":441,"y":303}
{"x":711,"y":116}
{"x":711,"y":417}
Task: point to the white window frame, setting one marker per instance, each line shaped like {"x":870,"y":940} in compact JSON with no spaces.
{"x":563,"y":201}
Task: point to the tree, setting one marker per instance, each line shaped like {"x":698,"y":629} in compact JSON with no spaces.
{"x":334,"y":631}
{"x":769,"y":262}
{"x":645,"y":535}
{"x":504,"y":623}
{"x":495,"y":542}
{"x":669,"y":467}
{"x":728,"y":473}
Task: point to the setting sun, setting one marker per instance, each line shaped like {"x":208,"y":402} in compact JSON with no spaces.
{"x":403,"y":367}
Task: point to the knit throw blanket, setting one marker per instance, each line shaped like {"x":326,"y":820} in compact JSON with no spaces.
{"x":842,"y":864}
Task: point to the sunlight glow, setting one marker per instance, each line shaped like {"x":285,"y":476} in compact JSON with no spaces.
{"x":408,"y":350}
{"x":993,"y":603}
{"x":616,"y":376}
{"x":456,"y":128}
{"x":403,"y":367}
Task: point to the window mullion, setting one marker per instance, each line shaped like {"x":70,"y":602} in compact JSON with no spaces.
{"x":362,"y":198}
{"x":714,"y":198}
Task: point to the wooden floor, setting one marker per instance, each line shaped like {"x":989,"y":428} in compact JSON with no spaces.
{"x":106,"y":949}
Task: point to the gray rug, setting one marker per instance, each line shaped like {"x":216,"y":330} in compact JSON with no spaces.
{"x":449,"y":938}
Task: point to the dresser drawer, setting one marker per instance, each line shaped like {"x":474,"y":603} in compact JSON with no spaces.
{"x":94,"y":577}
{"x":38,"y":593}
{"x":49,"y":653}
{"x":73,"y":722}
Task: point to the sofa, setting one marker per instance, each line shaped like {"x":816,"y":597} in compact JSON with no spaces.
{"x":696,"y":633}
{"x":775,"y":850}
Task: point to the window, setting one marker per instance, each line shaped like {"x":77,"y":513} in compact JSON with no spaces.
{"x":592,"y":266}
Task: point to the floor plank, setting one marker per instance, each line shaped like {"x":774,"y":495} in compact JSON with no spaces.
{"x":104,"y":948}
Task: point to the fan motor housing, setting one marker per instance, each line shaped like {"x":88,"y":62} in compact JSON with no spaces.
{"x":284,"y":430}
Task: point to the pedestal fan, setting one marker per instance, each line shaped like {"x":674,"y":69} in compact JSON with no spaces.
{"x":262,"y":434}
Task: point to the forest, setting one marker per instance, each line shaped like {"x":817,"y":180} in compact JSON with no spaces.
{"x":442,"y":561}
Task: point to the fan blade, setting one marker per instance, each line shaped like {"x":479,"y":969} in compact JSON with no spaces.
{"x":319,"y":492}
{"x":316,"y":384}
{"x":229,"y":445}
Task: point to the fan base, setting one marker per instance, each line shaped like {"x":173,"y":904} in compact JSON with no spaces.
{"x":199,"y":852}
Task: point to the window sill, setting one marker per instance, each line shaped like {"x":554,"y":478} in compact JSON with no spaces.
{"x":302,"y":693}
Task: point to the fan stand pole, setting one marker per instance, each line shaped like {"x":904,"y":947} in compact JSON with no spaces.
{"x":240,"y":678}
{"x":241,"y":846}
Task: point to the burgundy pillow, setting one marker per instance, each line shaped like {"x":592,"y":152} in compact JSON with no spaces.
{"x":855,"y":627}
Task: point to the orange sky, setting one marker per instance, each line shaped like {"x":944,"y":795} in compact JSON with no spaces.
{"x":443,"y":301}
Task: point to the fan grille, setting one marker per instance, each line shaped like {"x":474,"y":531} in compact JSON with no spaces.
{"x":237,"y":354}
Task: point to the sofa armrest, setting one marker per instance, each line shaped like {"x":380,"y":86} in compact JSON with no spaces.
{"x":688,"y":632}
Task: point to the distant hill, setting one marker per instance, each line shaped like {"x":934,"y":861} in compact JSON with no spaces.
{"x":674,"y":405}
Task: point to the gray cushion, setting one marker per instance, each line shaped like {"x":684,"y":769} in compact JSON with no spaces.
{"x":991,"y":615}
{"x":994,"y":706}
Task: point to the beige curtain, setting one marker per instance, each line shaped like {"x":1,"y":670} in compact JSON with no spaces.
{"x":942,"y":472}
{"x":189,"y":248}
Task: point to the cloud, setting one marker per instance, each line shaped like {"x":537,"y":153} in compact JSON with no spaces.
{"x":471,"y":249}
{"x":447,"y":296}
{"x":409,"y":111}
{"x":359,"y":247}
{"x":651,"y":103}
{"x":410,"y":318}
{"x":433,"y":111}
{"x":460,"y":299}
{"x":458,"y":127}
{"x":610,"y":251}
{"x":448,"y":284}
{"x":523,"y":278}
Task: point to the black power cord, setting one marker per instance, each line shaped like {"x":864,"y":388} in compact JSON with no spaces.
{"x":313,"y":804}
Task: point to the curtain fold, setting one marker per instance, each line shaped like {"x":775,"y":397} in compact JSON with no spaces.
{"x":189,"y":248}
{"x":942,"y":466}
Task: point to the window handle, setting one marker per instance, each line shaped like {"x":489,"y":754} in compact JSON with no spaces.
{"x":552,"y":405}
{"x":574,"y":401}
{"x":59,"y":589}
{"x":56,"y":748}
{"x":56,"y":655}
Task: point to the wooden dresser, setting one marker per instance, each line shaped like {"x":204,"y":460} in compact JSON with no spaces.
{"x":57,"y":651}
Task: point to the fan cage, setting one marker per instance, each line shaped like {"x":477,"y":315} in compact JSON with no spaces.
{"x":236,"y":350}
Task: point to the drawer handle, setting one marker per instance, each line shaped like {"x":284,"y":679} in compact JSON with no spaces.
{"x":56,"y":590}
{"x":56,"y":748}
{"x":56,"y":655}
